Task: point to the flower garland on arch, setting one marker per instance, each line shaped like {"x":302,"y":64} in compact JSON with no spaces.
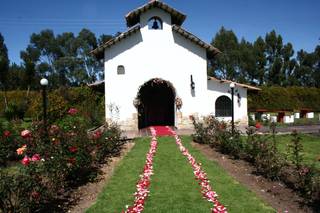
{"x":178,"y":102}
{"x":201,"y":176}
{"x":144,"y":183}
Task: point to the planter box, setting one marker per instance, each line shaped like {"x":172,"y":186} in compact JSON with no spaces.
{"x":288,"y":119}
{"x":310,"y":115}
{"x":273,"y":119}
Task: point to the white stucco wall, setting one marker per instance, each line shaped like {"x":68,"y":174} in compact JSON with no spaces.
{"x":217,"y":89}
{"x":162,"y":54}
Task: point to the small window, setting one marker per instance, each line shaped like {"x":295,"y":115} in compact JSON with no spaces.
{"x":155,"y":23}
{"x":223,"y":107}
{"x":121,"y":70}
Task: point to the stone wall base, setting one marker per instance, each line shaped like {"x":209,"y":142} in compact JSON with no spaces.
{"x":182,"y":121}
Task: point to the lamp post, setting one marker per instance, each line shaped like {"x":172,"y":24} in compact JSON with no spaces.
{"x":232,"y":86}
{"x":44,"y":83}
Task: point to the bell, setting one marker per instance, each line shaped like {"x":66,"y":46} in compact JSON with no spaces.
{"x":155,"y":25}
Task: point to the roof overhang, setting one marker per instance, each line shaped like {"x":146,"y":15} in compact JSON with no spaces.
{"x":133,"y":17}
{"x":99,"y":51}
{"x":97,"y":86}
{"x":249,"y":87}
{"x":211,"y":50}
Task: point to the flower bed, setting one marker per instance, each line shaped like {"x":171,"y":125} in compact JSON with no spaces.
{"x":53,"y":163}
{"x":262,"y":152}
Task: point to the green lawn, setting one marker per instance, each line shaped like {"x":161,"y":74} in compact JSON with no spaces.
{"x":311,"y":147}
{"x":173,"y":187}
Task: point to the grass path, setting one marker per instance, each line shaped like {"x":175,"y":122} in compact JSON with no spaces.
{"x":173,"y":187}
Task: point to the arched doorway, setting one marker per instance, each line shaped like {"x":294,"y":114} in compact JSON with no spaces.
{"x":156,"y":104}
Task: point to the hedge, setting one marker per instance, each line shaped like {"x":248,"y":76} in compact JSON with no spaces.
{"x":281,"y":98}
{"x":59,"y":101}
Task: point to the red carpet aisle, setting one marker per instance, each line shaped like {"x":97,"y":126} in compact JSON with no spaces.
{"x":162,"y":131}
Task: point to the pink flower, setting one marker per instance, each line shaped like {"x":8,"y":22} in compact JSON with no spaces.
{"x":54,"y":129}
{"x":73,"y":149}
{"x":6,"y":133}
{"x":26,"y":160}
{"x":72,"y":160}
{"x":97,"y":135}
{"x":26,"y":134}
{"x":258,"y":125}
{"x":35,"y":195}
{"x":21,"y":150}
{"x":35,"y":157}
{"x":72,"y":111}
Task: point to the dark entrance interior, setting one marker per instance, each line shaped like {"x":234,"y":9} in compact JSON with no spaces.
{"x":156,"y":104}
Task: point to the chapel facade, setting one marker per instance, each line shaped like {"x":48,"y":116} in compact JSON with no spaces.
{"x":156,"y":74}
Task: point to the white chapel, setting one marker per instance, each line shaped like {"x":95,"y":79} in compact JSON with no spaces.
{"x":156,"y":74}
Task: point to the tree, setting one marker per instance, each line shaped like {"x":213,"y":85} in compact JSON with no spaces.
{"x":259,"y":51}
{"x":247,"y":63}
{"x":65,"y":59}
{"x":316,"y":73}
{"x":304,"y":69}
{"x":226,"y":64}
{"x":16,"y":77}
{"x":30,"y":56}
{"x":288,"y":64}
{"x":4,"y":67}
{"x":86,"y":42}
{"x":274,"y":46}
{"x":104,"y":38}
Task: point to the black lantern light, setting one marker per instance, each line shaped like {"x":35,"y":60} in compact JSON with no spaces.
{"x":192,"y":84}
{"x":44,"y":83}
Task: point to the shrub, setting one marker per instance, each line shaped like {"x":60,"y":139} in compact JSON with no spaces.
{"x":22,"y":193}
{"x":8,"y":144}
{"x":210,"y":131}
{"x":268,"y":161}
{"x":107,"y":143}
{"x":289,"y":98}
{"x":295,"y":150}
{"x":262,"y":152}
{"x":15,"y":111}
{"x":89,"y":103}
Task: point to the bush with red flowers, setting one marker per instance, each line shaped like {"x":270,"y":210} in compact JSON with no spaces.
{"x":8,"y":145}
{"x":68,"y":156}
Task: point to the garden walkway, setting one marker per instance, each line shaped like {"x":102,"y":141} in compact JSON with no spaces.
{"x":171,"y":179}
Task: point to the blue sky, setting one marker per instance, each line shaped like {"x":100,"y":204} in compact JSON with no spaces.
{"x":298,"y":21}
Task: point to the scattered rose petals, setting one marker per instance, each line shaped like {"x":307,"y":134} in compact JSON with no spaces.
{"x":201,"y":177}
{"x":143,"y":184}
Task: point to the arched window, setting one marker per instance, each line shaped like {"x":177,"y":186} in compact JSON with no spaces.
{"x":223,"y":107}
{"x":155,"y":23}
{"x":121,"y":70}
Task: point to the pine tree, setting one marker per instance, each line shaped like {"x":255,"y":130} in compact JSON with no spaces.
{"x":4,"y":67}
